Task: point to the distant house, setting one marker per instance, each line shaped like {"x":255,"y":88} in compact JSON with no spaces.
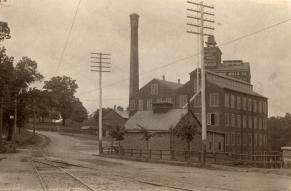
{"x":114,"y":117}
{"x":160,"y":121}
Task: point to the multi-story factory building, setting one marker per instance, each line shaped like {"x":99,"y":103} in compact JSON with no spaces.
{"x":234,"y":109}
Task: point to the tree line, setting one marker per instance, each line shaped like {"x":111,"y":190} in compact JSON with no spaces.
{"x":279,"y":131}
{"x":55,"y":100}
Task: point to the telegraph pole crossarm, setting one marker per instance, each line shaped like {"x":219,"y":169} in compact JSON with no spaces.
{"x":200,"y":32}
{"x":98,"y":60}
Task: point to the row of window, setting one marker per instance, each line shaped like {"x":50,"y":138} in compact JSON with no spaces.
{"x":213,"y":100}
{"x":149,"y":103}
{"x":232,"y":120}
{"x":211,"y":118}
{"x":246,"y":139}
{"x":246,"y":104}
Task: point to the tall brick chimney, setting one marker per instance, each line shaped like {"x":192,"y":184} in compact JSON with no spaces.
{"x":134,"y":68}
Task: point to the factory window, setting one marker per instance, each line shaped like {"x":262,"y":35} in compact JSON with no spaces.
{"x":250,"y":139}
{"x":260,"y":107}
{"x":140,"y":105}
{"x":244,"y":103}
{"x":255,"y":139}
{"x":232,"y":138}
{"x":265,"y":107}
{"x":255,"y":105}
{"x":264,"y":123}
{"x":197,"y":101}
{"x":238,"y":101}
{"x":244,"y":121}
{"x":212,"y":118}
{"x":265,"y":140}
{"x":232,"y":120}
{"x":182,"y":100}
{"x":169,"y":100}
{"x":250,"y":122}
{"x":226,"y":100}
{"x":214,"y":99}
{"x":132,"y":105}
{"x":232,"y":101}
{"x":260,"y":123}
{"x":238,"y":121}
{"x":226,"y":138}
{"x":244,"y":136}
{"x":255,"y":123}
{"x":249,"y":104}
{"x":149,"y":104}
{"x":154,"y":89}
{"x":238,"y":139}
{"x":226,"y":119}
{"x":259,"y":140}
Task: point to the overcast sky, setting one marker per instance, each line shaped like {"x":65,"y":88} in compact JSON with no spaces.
{"x":39,"y":30}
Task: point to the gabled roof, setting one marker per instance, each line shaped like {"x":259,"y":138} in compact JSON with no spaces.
{"x":124,"y":114}
{"x":241,"y":90}
{"x":171,"y":85}
{"x":155,"y":121}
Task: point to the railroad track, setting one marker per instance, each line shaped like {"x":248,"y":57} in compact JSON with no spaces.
{"x":53,"y":176}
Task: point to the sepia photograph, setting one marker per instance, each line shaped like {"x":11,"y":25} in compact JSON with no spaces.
{"x":145,"y":95}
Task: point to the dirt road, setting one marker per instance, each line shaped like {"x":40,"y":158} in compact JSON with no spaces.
{"x":113,"y":174}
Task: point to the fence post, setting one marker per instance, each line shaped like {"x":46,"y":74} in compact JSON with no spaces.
{"x":161,"y":154}
{"x":140,"y":153}
{"x":131,"y":152}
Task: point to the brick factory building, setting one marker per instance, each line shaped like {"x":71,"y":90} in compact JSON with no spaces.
{"x":236,"y":114}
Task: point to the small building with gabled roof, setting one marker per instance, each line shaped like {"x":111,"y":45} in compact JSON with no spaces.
{"x":160,"y":122}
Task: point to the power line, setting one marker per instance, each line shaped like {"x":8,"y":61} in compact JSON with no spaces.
{"x":68,"y":37}
{"x":193,"y":55}
{"x":255,"y":32}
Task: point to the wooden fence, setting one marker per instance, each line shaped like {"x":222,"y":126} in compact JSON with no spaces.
{"x":273,"y":160}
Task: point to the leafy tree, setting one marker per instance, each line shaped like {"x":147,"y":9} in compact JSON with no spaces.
{"x":6,"y":74}
{"x":5,"y":31}
{"x":62,"y":90}
{"x":79,"y":113}
{"x":117,"y":133}
{"x":186,"y":130}
{"x":104,"y":112}
{"x":26,"y":73}
{"x":147,"y":135}
{"x":279,"y":132}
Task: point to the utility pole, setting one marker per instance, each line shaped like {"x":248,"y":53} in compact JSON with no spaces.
{"x":101,"y":63}
{"x":1,"y":121}
{"x":15,"y":119}
{"x":34,"y":106}
{"x":200,"y":10}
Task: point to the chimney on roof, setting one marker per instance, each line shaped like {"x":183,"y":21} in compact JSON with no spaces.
{"x":212,"y":53}
{"x":114,"y":107}
{"x":163,"y":77}
{"x":134,"y":66}
{"x":179,"y":81}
